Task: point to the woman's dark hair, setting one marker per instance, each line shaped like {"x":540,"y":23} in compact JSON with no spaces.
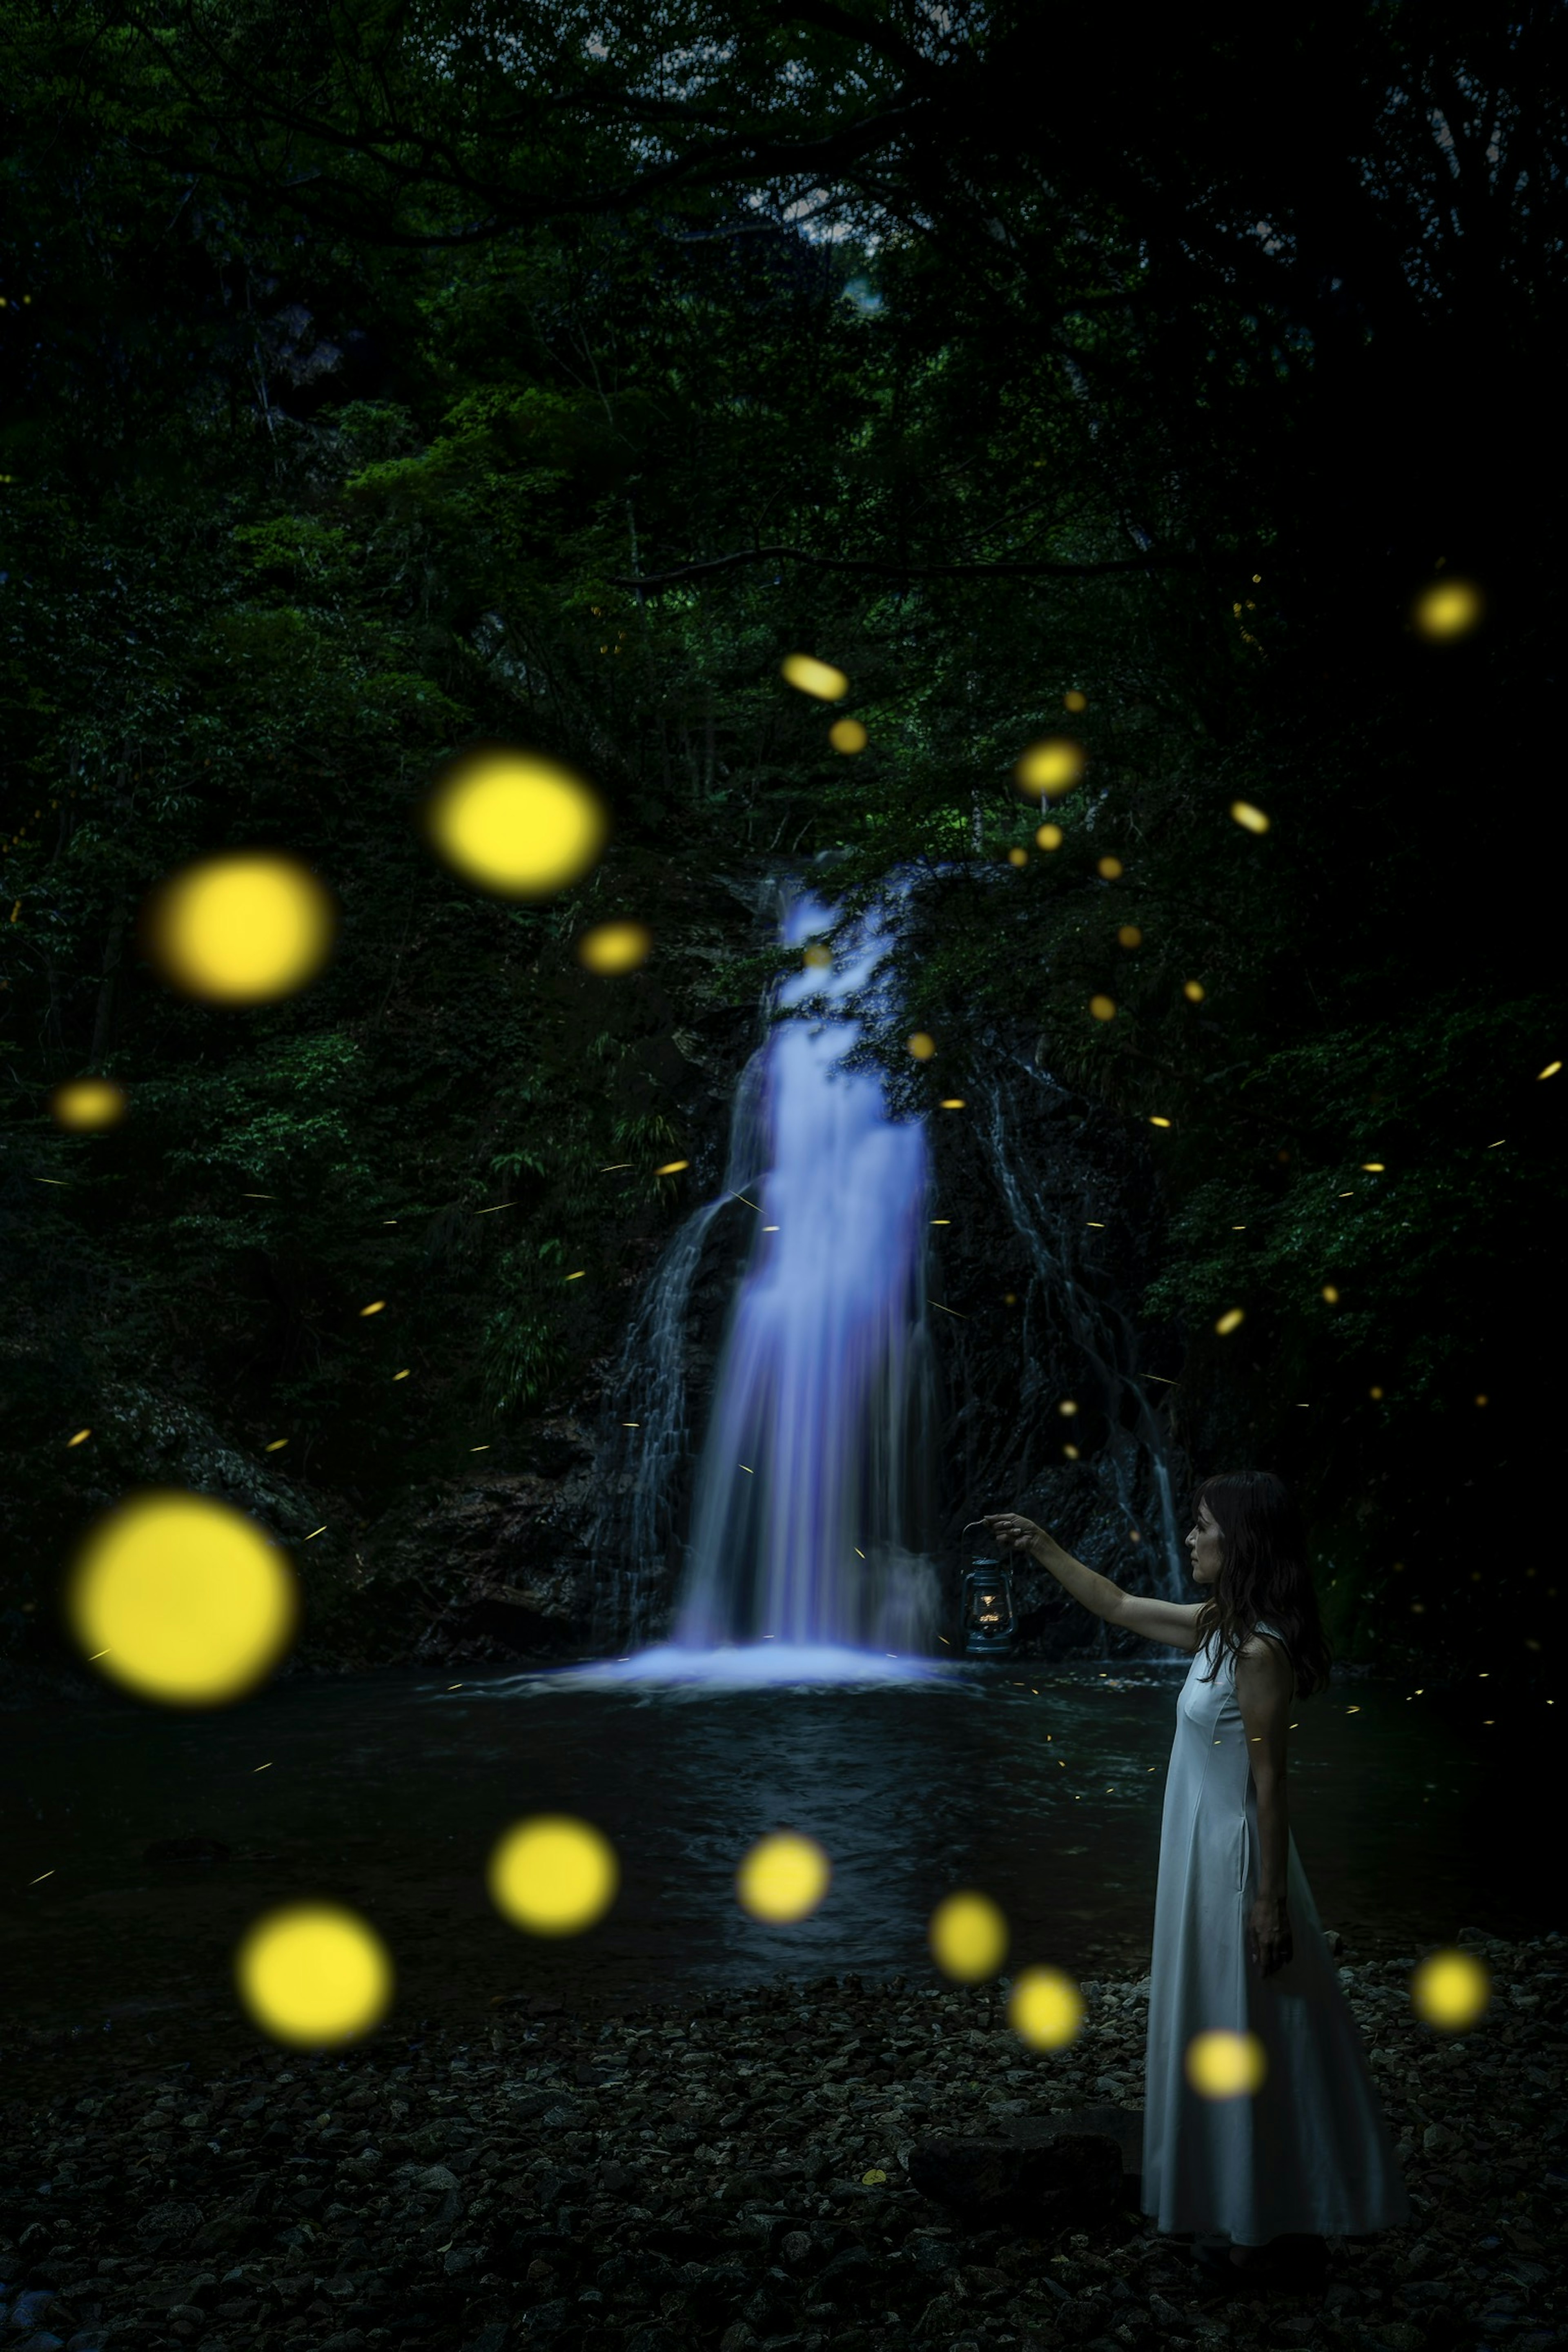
{"x":1263,"y":1573}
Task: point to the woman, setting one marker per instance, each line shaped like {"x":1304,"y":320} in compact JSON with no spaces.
{"x":1237,"y":1943}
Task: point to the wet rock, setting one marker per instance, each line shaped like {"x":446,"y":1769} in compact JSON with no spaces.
{"x":1074,"y":2176}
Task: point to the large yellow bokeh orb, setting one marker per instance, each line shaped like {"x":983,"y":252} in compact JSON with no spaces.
{"x":1449,"y":608}
{"x":245,"y":928}
{"x":1450,"y":1989}
{"x":784,"y":1877}
{"x":1223,"y":2065}
{"x":88,"y":1103}
{"x":313,"y":1975}
{"x":515,"y":823}
{"x":810,"y":676}
{"x":554,"y":1875}
{"x":181,"y":1597}
{"x":1050,"y":768}
{"x":968,"y":1938}
{"x":1046,"y":2008}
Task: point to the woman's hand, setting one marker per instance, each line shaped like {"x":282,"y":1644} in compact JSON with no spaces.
{"x":1012,"y":1532}
{"x":1269,"y":1945}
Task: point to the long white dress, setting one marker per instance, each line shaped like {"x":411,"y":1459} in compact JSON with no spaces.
{"x":1309,"y":2152}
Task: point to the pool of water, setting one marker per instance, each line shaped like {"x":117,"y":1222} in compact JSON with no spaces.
{"x":387,"y":1793}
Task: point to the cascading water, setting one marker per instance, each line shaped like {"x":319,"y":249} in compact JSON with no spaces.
{"x":811,"y":1487}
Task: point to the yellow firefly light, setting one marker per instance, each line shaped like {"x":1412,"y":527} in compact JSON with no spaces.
{"x":1046,"y":2008}
{"x":554,"y":1875}
{"x":89,"y":1102}
{"x":1449,"y":608}
{"x":193,"y":1604}
{"x":1050,"y":768}
{"x":672,"y":1168}
{"x":921,"y":1046}
{"x":1193,"y":991}
{"x":968,"y":1938}
{"x":814,"y":677}
{"x":245,"y":928}
{"x":1130,"y":936}
{"x":1231,"y":1321}
{"x":1017,"y":857}
{"x":1110,"y":870}
{"x":1252,"y":818}
{"x":1049,"y":836}
{"x":783,"y":1878}
{"x":1073,"y":700}
{"x":817,"y":959}
{"x":846,"y":734}
{"x":1450,"y":1989}
{"x":1102,"y":1007}
{"x":515,"y":823}
{"x":615,"y":947}
{"x":1330,"y":1294}
{"x":1223,"y":2065}
{"x":314,"y":1975}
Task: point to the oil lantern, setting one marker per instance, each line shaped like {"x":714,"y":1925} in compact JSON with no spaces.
{"x":990,"y":1622}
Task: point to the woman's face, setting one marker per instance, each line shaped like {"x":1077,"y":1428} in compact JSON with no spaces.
{"x":1204,"y":1546}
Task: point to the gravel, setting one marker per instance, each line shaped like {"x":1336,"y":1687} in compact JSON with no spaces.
{"x":733,"y":2175}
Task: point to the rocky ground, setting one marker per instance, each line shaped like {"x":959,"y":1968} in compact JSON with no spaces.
{"x":742,"y":2174}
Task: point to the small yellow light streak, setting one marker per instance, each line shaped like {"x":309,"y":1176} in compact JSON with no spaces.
{"x":276,"y":1446}
{"x":260,"y":1767}
{"x":770,"y":1229}
{"x":258,"y":1196}
{"x":950,"y":1310}
{"x":1097,"y":1223}
{"x":373,"y":1308}
{"x":40,"y":1878}
{"x":1160,"y":1378}
{"x":1154,"y":1120}
{"x":98,"y":1654}
{"x":952,"y":1102}
{"x":672,"y":1168}
{"x":582,"y":1270}
{"x":750,"y":1202}
{"x":748,"y":1469}
{"x":1374,"y":1167}
{"x":478,"y":1449}
{"x":402,"y":1375}
{"x":631,"y":1424}
{"x":1492,"y":1146}
{"x":314,"y":1533}
{"x":65,"y":1187}
{"x":496,"y":1211}
{"x":1230,"y":1320}
{"x":1550,"y":1071}
{"x":614,"y":1165}
{"x":942,"y":1220}
{"x":857,"y":1552}
{"x":452,"y":1686}
{"x":78,"y":1439}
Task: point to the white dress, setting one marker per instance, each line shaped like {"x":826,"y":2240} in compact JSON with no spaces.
{"x":1309,"y":2152}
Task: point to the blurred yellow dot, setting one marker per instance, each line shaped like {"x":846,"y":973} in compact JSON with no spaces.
{"x":818,"y":959}
{"x":968,"y":1938}
{"x":1073,"y":700}
{"x":81,"y":1437}
{"x":784,"y":1877}
{"x":89,"y":1102}
{"x":846,"y":734}
{"x":1450,"y":1989}
{"x":1374,"y":1392}
{"x":241,"y":929}
{"x":921,"y":1046}
{"x":1223,"y":2065}
{"x":1046,"y":2008}
{"x":554,"y":1875}
{"x":376,"y":1306}
{"x":1252,"y":818}
{"x":193,"y":1600}
{"x":1130,"y":936}
{"x":515,"y":823}
{"x":1330,"y":1294}
{"x":672,"y":1168}
{"x":400,"y":1376}
{"x":1550,"y":1071}
{"x":1374,"y":1167}
{"x":1231,"y":1321}
{"x":1067,"y":1405}
{"x":615,"y":947}
{"x":1480,"y":1400}
{"x":952,"y":1102}
{"x":276,"y":1446}
{"x":813,"y":676}
{"x":1449,"y":608}
{"x":1049,"y":836}
{"x":1071,"y":1453}
{"x":314,"y":1975}
{"x":1102,"y":1007}
{"x":1110,"y":870}
{"x":1155,"y":1120}
{"x":1017,"y":857}
{"x":1050,"y":767}
{"x":1193,"y":991}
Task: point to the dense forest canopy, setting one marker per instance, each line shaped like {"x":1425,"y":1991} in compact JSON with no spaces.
{"x":383,"y":379}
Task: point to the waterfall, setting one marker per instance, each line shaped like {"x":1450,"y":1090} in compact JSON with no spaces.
{"x":1132,"y":1464}
{"x":810,"y":1484}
